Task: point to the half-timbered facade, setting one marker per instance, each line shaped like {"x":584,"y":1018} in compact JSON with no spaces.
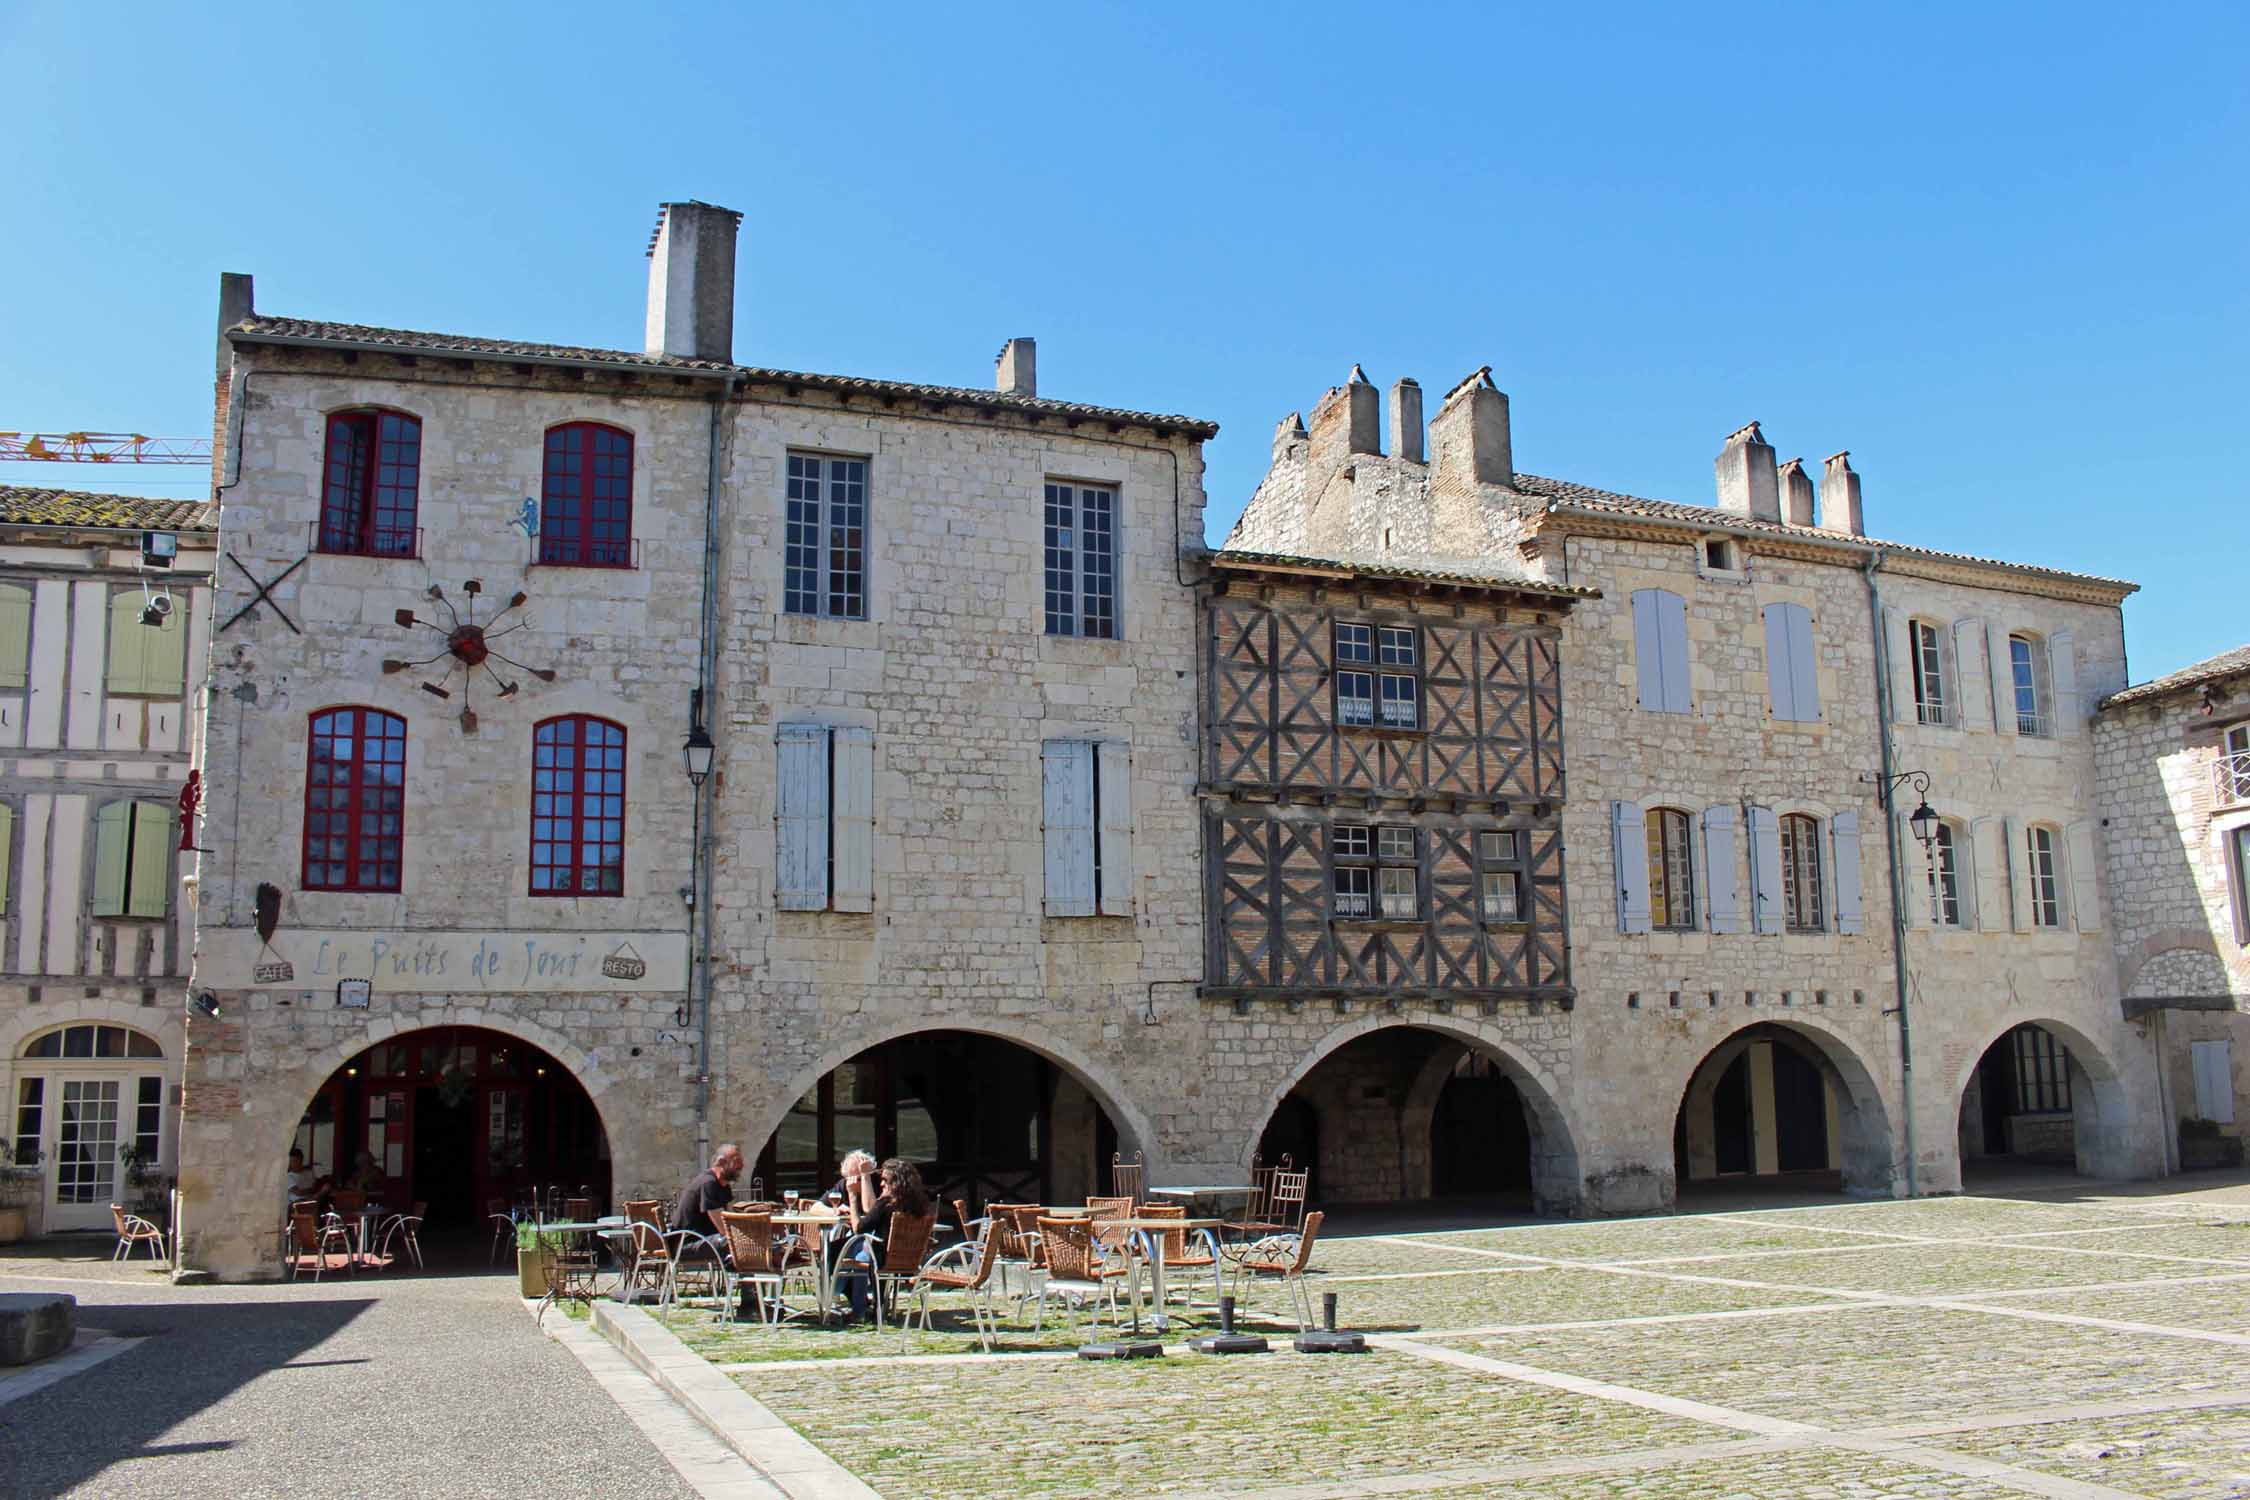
{"x":105,"y":611}
{"x":1383,"y":785}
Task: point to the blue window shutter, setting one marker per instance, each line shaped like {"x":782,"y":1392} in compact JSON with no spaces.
{"x":1114,"y":761}
{"x":1722,"y":881}
{"x":2062,"y":676}
{"x":1765,"y":871}
{"x":853,"y":794}
{"x":1629,"y":838}
{"x":801,"y":819}
{"x":1069,"y":831}
{"x":1648,"y":649}
{"x":1802,"y":662}
{"x":1843,"y":840}
{"x":1781,"y":682}
{"x":1671,"y":613}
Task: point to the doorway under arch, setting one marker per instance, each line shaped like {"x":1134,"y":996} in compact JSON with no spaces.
{"x":1779,"y":1107}
{"x":986,"y":1119}
{"x":2025,"y":1104}
{"x":457,"y":1116}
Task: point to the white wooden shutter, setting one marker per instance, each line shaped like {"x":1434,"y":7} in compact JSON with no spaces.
{"x":1898,"y":646}
{"x":853,"y":818}
{"x":1113,"y":789}
{"x":1972,"y":691}
{"x":800,"y":815}
{"x":1766,"y":910}
{"x":1648,"y":650}
{"x":1781,"y":682}
{"x":2212,"y":1063}
{"x":112,"y":827}
{"x":2019,"y":875}
{"x":1722,"y":884}
{"x":2002,"y":675}
{"x":1069,"y":834}
{"x":2062,"y":675}
{"x":7,"y":849}
{"x":1843,"y":838}
{"x":1988,"y":837}
{"x":1629,"y":839}
{"x":149,"y":893}
{"x":2085,"y":883}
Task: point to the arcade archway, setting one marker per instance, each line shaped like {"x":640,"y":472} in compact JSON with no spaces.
{"x":1775,"y":1105}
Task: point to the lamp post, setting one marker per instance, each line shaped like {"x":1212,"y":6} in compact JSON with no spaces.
{"x":697,"y":753}
{"x":1923,"y":823}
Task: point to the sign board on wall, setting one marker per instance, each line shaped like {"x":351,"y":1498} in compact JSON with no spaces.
{"x":462,"y":962}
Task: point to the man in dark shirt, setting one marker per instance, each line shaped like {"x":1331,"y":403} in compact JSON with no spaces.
{"x":713,"y":1189}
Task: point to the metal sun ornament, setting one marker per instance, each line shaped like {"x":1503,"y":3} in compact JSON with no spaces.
{"x":468,"y":648}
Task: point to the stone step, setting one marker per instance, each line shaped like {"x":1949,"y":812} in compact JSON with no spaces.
{"x":35,"y":1325}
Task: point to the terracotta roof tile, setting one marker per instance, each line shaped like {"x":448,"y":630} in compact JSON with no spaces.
{"x":30,"y":505}
{"x":2225,"y":664}
{"x":1473,"y":574}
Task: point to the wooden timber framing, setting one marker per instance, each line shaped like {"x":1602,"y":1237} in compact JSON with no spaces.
{"x":1281,"y":776}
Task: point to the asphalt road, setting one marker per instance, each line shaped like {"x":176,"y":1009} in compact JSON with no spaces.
{"x":392,"y":1387}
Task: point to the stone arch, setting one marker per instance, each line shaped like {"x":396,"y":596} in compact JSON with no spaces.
{"x":1868,"y":1152}
{"x":20,"y":1026}
{"x":2102,"y":1112}
{"x":1558,"y":1182}
{"x":2190,"y":968}
{"x":1134,"y":1132}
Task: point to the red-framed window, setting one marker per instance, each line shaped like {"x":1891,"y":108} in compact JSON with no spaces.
{"x":586,"y":504}
{"x":355,"y":800}
{"x":369,"y":481}
{"x":578,"y":807}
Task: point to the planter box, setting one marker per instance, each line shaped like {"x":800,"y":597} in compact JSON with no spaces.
{"x":531,"y":1273}
{"x":2200,"y":1152}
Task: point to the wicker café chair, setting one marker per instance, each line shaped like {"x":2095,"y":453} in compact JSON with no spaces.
{"x":647,"y":1261}
{"x":1278,"y":1260}
{"x":904,"y":1250}
{"x":1075,"y":1272}
{"x":310,"y":1240}
{"x":1185,"y":1251}
{"x":753,"y":1259}
{"x":578,"y":1210}
{"x":1125,"y":1176}
{"x":966,"y":1268}
{"x":133,"y":1230}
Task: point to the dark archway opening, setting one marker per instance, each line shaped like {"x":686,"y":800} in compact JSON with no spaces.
{"x":1291,"y":1139}
{"x":1480,"y":1138}
{"x":2018,"y":1109}
{"x":986,"y":1120}
{"x":459,"y":1118}
{"x":1761,"y":1109}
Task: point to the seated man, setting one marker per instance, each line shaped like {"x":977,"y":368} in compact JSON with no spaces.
{"x":302,"y":1184}
{"x":701,"y":1201}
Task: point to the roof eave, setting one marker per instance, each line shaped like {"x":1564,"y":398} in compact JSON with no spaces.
{"x":439,"y":351}
{"x":1331,"y":571}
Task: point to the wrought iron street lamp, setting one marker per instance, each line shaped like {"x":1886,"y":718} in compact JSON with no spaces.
{"x":698,"y":752}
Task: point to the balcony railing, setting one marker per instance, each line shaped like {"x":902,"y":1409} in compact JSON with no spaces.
{"x":2230,"y":779}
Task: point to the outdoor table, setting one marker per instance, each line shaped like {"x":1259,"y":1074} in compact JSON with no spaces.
{"x":367,"y":1219}
{"x":824,"y":1252}
{"x":1194,"y":1195}
{"x":1157,"y":1231}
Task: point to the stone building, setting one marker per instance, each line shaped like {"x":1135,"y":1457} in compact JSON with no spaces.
{"x":1740,"y":891}
{"x":105,"y":616}
{"x":2173,"y":757}
{"x":466,"y":911}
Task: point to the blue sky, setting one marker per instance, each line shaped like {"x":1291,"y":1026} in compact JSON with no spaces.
{"x":1997,"y":251}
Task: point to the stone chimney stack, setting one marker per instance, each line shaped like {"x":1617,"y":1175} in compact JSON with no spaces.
{"x":691,"y":281}
{"x":1406,"y":421}
{"x":1796,"y":493}
{"x":1287,"y":434}
{"x":1748,"y":485}
{"x":237,"y":301}
{"x":1470,"y":434}
{"x":1348,"y":420}
{"x":1839,"y":494}
{"x":1016,"y":372}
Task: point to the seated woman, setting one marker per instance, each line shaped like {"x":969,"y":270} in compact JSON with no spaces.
{"x":901,"y":1192}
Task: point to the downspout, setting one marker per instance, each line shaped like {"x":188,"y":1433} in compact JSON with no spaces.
{"x":1874,"y":564}
{"x":706,"y":669}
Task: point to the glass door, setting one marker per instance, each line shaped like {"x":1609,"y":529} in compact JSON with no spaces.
{"x":85,"y":1174}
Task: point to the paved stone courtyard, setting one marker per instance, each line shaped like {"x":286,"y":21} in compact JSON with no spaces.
{"x":2089,"y":1344}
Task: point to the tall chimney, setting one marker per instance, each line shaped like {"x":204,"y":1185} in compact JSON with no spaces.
{"x":691,"y":281}
{"x":1406,"y":421}
{"x":1016,"y":371}
{"x":1287,"y":434}
{"x":1796,"y":493}
{"x":1470,"y":433}
{"x":1346,"y":421}
{"x":237,"y":302}
{"x":1748,"y":485}
{"x":1839,"y":493}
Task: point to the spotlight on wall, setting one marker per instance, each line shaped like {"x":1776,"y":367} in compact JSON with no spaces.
{"x":204,"y":1004}
{"x":157,"y":610}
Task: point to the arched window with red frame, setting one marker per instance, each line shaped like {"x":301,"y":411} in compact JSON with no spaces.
{"x":578,"y":807}
{"x":370,"y":480}
{"x":355,"y":800}
{"x":586,"y":497}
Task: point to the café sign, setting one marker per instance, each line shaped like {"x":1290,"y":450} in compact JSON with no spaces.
{"x":399,"y":961}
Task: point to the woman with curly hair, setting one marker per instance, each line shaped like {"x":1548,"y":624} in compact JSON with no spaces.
{"x":900,"y":1192}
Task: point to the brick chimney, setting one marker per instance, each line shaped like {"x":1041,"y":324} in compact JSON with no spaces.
{"x":1748,"y":485}
{"x":1469,"y":435}
{"x":1839,"y":493}
{"x":1406,"y":422}
{"x":691,"y":281}
{"x":1346,"y":421}
{"x":1796,"y":493}
{"x":1016,"y":372}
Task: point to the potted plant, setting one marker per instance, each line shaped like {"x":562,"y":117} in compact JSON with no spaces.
{"x":2203,"y":1144}
{"x":19,"y":1189}
{"x":152,"y":1194}
{"x":532,"y":1254}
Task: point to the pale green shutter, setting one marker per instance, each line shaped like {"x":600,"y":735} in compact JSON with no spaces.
{"x":112,"y":827}
{"x":151,"y":893}
{"x":128,"y":643}
{"x":7,"y":850}
{"x":15,"y":636}
{"x":164,"y":654}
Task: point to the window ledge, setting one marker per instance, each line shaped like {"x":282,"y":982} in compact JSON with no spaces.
{"x":1381,"y":924}
{"x":1383,"y":731}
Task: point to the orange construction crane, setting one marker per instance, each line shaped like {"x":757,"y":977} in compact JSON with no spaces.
{"x":102,"y":448}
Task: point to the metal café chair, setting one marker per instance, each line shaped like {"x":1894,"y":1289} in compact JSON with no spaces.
{"x":1278,"y":1259}
{"x":1185,"y":1251}
{"x":1125,"y":1176}
{"x":1075,"y":1272}
{"x":752,"y":1260}
{"x":405,"y":1229}
{"x":966,"y":1268}
{"x":903,"y":1251}
{"x":133,"y":1230}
